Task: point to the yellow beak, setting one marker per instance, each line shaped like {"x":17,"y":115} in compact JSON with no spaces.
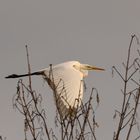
{"x":89,"y":67}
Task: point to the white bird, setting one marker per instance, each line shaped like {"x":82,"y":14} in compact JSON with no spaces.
{"x":66,"y":81}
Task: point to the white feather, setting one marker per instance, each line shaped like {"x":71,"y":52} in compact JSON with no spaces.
{"x":69,"y":87}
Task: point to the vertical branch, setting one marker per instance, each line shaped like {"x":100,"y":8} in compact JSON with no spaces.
{"x":125,"y":115}
{"x":124,"y":90}
{"x":29,"y":67}
{"x":27,"y":102}
{"x":126,"y":73}
{"x":134,"y":113}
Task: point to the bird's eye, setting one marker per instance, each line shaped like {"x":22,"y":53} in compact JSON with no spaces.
{"x":75,"y":66}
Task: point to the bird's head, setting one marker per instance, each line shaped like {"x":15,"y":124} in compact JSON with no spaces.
{"x":84,"y":68}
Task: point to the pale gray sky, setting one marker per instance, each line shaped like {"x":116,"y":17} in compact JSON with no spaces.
{"x":91,"y":31}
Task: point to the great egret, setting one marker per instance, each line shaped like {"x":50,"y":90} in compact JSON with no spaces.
{"x":66,"y":80}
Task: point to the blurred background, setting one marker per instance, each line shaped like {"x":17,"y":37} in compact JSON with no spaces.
{"x":91,"y":31}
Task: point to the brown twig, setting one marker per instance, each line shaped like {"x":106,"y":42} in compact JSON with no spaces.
{"x":124,"y":113}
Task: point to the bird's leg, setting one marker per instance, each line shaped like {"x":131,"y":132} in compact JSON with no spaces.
{"x":23,"y":75}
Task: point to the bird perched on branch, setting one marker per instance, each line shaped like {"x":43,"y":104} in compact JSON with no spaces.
{"x":66,"y":81}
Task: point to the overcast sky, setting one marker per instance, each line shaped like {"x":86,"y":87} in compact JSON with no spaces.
{"x":96,"y":32}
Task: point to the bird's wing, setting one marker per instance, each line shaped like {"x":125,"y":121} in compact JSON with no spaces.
{"x":68,"y":86}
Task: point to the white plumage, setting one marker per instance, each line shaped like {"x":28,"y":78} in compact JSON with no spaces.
{"x":66,"y":80}
{"x":68,"y":83}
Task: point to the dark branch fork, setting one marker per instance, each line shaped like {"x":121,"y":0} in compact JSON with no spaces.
{"x":128,"y":115}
